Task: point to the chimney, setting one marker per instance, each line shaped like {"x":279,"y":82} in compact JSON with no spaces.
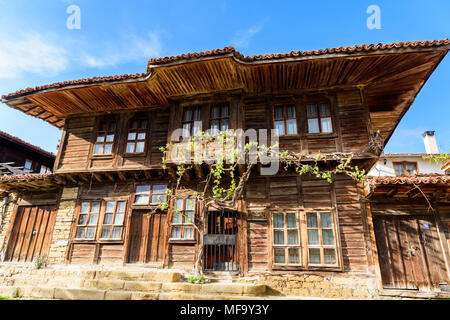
{"x":429,"y":140}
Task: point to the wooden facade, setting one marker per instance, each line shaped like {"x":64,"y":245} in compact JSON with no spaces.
{"x":285,"y":223}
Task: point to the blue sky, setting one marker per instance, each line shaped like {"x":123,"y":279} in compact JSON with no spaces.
{"x":118,"y":37}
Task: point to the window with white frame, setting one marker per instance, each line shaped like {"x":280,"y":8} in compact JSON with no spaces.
{"x":183,"y":218}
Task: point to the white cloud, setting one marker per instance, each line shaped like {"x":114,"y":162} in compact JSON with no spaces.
{"x":135,"y":48}
{"x":29,"y":52}
{"x":243,"y":37}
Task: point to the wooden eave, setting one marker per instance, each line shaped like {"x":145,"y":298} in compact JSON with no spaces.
{"x":389,"y":79}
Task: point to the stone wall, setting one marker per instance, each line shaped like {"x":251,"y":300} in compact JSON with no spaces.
{"x":63,"y":225}
{"x":322,"y":285}
{"x":5,"y":220}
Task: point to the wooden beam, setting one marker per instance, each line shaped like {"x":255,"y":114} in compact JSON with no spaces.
{"x":199,"y":171}
{"x":110,"y":176}
{"x":121,"y":175}
{"x":97,"y":177}
{"x":148,"y":175}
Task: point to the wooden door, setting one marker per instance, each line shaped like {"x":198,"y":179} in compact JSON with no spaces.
{"x":220,"y":241}
{"x":410,"y":253}
{"x":147,"y":237}
{"x":31,"y":233}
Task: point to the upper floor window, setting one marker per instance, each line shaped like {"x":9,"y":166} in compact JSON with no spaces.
{"x":319,"y":118}
{"x":105,"y":138}
{"x":183,"y":219}
{"x":405,"y":168}
{"x":220,"y":117}
{"x":150,"y":194}
{"x":45,"y":169}
{"x":136,"y":138}
{"x":28,"y":165}
{"x":112,"y":225}
{"x":192,"y":121}
{"x":285,"y":119}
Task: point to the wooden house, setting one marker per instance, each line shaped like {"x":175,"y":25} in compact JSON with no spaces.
{"x":294,"y":232}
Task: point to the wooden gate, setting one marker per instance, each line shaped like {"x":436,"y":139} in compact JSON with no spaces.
{"x":220,"y":242}
{"x":147,"y":237}
{"x":31,"y":233}
{"x":410,"y":253}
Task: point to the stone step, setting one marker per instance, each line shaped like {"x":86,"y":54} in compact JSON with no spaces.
{"x":156,"y":276}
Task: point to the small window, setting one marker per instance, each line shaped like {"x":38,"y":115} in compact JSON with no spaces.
{"x":285,"y":119}
{"x":150,"y":194}
{"x":105,"y":138}
{"x":220,"y":117}
{"x":183,"y":219}
{"x":286,"y":239}
{"x":45,"y":169}
{"x":192,"y":121}
{"x":321,"y":238}
{"x":319,"y":118}
{"x":87,"y":220}
{"x":28,"y":165}
{"x":136,"y":138}
{"x":405,"y":168}
{"x":112,"y":225}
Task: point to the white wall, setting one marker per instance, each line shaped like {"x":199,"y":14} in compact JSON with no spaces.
{"x":423,"y":166}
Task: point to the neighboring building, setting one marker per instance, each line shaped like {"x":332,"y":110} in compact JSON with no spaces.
{"x":19,"y":157}
{"x":299,"y":234}
{"x":398,"y":164}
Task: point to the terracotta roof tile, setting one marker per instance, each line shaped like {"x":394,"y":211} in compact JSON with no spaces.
{"x":27,"y":176}
{"x":14,"y":139}
{"x":417,"y":179}
{"x":238,"y":55}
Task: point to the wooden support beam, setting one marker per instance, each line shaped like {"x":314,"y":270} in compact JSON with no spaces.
{"x":136,"y":175}
{"x":110,"y":176}
{"x":199,"y":171}
{"x":391,"y":193}
{"x":187,"y":175}
{"x":148,"y":175}
{"x":84,"y":177}
{"x":71,"y":178}
{"x":97,"y":177}
{"x":172,"y":173}
{"x":121,"y":175}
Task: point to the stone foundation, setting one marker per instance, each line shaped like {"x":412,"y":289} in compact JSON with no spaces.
{"x":5,"y":221}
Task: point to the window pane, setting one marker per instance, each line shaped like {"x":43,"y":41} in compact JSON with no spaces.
{"x":279,"y":128}
{"x":83,"y":219}
{"x":188,"y":233}
{"x":313,"y":126}
{"x":411,"y":169}
{"x":327,"y":237}
{"x":141,"y":199}
{"x":112,"y":126}
{"x":215,"y":112}
{"x":176,"y":232}
{"x":291,"y":126}
{"x":179,"y":204}
{"x":187,"y":115}
{"x":177,"y":218}
{"x":326,"y":125}
{"x":214,"y":126}
{"x":120,"y":206}
{"x":132,"y":135}
{"x":314,"y":256}
{"x":90,"y":233}
{"x":158,"y":198}
{"x":311,"y":218}
{"x":98,"y":149}
{"x":290,"y":111}
{"x":324,"y":110}
{"x":329,"y":256}
{"x":279,"y":255}
{"x":197,"y":127}
{"x":398,"y":169}
{"x":141,"y":135}
{"x":278,"y":237}
{"x":278,"y":220}
{"x":190,"y":204}
{"x":143,"y":124}
{"x":292,"y":237}
{"x":105,"y":232}
{"x":197,"y":114}
{"x":278,"y":112}
{"x":134,"y":124}
{"x":101,"y":137}
{"x":140,"y":147}
{"x":119,"y":219}
{"x":186,"y":129}
{"x":108,"y":149}
{"x":95,"y":206}
{"x":110,"y":137}
{"x":311,"y":110}
{"x":159,"y":188}
{"x":313,"y":237}
{"x":80,"y":233}
{"x":85,"y":207}
{"x":93,"y":219}
{"x":225,"y":111}
{"x":291,"y":220}
{"x":189,"y":218}
{"x":143,"y":189}
{"x":294,"y":256}
{"x":108,"y":218}
{"x":224,"y":126}
{"x":117,"y":233}
{"x":325,"y":218}
{"x":110,"y":206}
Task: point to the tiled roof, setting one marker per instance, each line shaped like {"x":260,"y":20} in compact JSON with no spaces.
{"x":27,"y":176}
{"x":407,"y":154}
{"x":417,"y":179}
{"x":17,"y":140}
{"x":238,"y":55}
